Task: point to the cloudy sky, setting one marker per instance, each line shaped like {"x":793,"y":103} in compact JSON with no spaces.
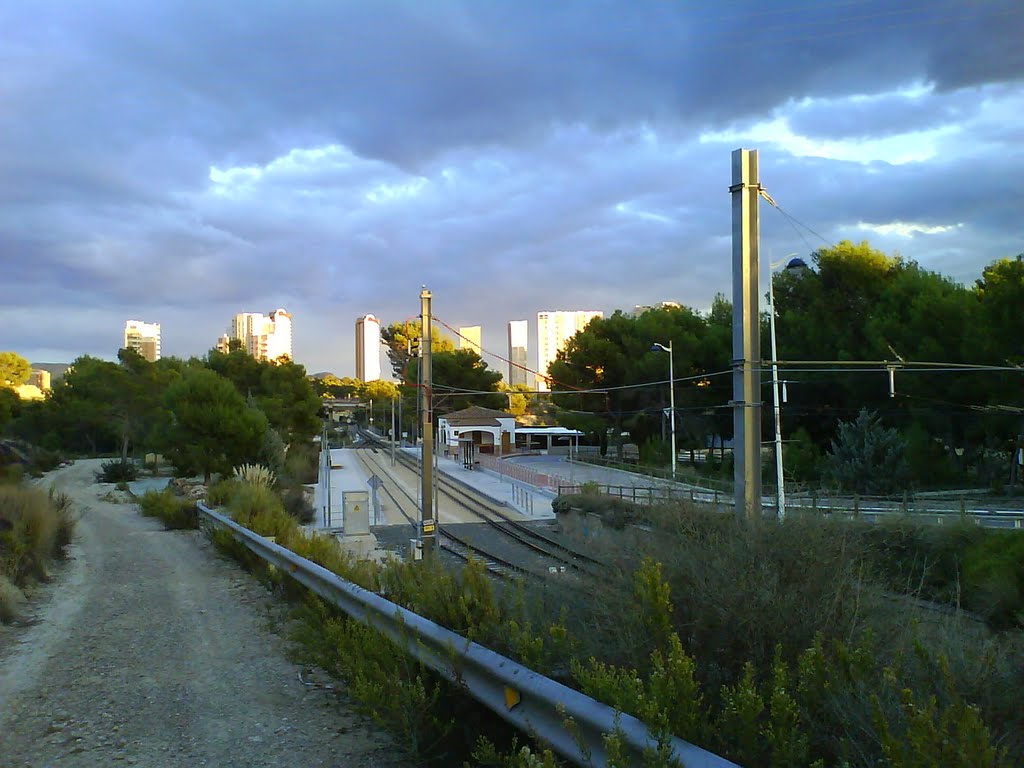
{"x":180,"y":161}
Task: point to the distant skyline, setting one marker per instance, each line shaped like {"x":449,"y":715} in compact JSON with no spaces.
{"x":177,"y":160}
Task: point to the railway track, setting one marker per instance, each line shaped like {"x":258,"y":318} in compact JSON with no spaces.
{"x":455,"y":545}
{"x":486,"y":510}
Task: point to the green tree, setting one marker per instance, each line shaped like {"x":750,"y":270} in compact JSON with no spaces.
{"x":614,"y":355}
{"x":332,"y":386}
{"x":287,"y":398}
{"x":212,"y":429}
{"x":280,"y":388}
{"x":403,"y":342}
{"x":14,"y":369}
{"x":459,"y":378}
{"x":866,"y":457}
{"x":1000,"y":294}
{"x":10,"y":405}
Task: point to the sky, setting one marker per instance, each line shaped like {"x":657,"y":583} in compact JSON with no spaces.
{"x":178,"y":162}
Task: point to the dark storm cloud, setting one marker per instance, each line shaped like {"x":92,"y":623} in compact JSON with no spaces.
{"x":194,"y":159}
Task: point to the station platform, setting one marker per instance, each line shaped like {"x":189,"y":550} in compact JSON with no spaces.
{"x":348,"y":474}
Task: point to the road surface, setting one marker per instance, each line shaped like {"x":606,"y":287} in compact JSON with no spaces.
{"x":152,"y":649}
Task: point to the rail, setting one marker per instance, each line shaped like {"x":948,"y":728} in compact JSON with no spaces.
{"x":574,"y":725}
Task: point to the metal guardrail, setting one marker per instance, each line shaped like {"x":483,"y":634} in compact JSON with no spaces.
{"x":571,"y":723}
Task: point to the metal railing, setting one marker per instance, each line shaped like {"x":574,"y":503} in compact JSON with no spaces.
{"x":868,"y":508}
{"x":572,"y":724}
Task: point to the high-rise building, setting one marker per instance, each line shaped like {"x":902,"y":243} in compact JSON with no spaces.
{"x":469,"y":338}
{"x":639,"y":309}
{"x":143,"y":338}
{"x":265,"y":337}
{"x":278,"y":335}
{"x":40,"y":378}
{"x":518,"y":343}
{"x":554,"y":329}
{"x":367,"y":348}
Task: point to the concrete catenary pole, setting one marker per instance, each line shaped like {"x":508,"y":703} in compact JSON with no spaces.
{"x":746,"y":339}
{"x":427,"y":522}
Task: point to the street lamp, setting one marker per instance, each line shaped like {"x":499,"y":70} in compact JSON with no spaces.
{"x":795,"y":266}
{"x":671,"y":396}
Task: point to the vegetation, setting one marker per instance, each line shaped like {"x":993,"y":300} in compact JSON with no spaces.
{"x":953,"y":427}
{"x":14,"y":369}
{"x":212,"y":429}
{"x":117,"y":472}
{"x":35,"y":528}
{"x":172,"y":510}
{"x":779,"y":645}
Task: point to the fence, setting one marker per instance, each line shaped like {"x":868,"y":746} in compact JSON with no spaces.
{"x":519,"y":472}
{"x":573,"y":724}
{"x":869,"y":508}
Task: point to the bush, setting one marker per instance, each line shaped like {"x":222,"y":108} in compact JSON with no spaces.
{"x":11,"y":474}
{"x":614,"y":512}
{"x":301,"y":464}
{"x":296,"y":505}
{"x":994,"y":579}
{"x":34,"y":528}
{"x":255,"y":474}
{"x":12,"y":601}
{"x":117,"y":471}
{"x":218,"y":494}
{"x":173,"y":511}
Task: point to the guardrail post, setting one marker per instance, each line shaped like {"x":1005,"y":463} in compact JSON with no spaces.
{"x":963,"y":508}
{"x":903,"y":507}
{"x":814,"y":500}
{"x":856,"y":505}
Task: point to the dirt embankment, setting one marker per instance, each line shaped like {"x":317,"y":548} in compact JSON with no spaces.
{"x":152,"y":649}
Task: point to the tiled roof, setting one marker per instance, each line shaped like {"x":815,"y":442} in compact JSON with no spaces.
{"x":475,"y":415}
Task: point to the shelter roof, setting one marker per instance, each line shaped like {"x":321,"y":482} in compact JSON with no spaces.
{"x":476,"y":416}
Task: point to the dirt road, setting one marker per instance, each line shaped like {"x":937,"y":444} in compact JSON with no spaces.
{"x":151,"y":649}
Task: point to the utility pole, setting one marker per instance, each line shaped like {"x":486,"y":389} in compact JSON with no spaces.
{"x":428,"y":524}
{"x":746,"y":339}
{"x":393,"y":436}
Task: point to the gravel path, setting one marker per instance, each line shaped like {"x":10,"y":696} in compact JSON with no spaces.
{"x":151,"y":649}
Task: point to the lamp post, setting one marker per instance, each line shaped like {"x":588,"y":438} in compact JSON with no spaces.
{"x":671,"y":396}
{"x":781,"y":492}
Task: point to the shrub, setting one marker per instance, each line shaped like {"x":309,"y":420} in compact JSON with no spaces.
{"x":301,"y":464}
{"x":255,"y":474}
{"x":117,"y":471}
{"x":296,"y":505}
{"x":33,"y":531}
{"x":12,"y":600}
{"x":614,"y":512}
{"x":11,"y":474}
{"x":994,"y":579}
{"x":218,"y":494}
{"x":173,"y":511}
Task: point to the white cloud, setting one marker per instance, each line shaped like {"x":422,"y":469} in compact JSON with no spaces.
{"x":912,"y":147}
{"x":908,"y":228}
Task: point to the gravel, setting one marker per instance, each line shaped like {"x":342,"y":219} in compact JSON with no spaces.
{"x":150,"y":648}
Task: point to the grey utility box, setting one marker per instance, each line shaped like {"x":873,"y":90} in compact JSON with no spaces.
{"x":357,"y":512}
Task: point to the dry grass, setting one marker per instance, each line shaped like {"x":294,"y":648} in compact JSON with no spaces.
{"x":34,"y":529}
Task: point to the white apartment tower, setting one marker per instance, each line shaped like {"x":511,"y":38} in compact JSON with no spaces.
{"x":518,"y":342}
{"x":265,"y":337}
{"x":367,"y":348}
{"x":470,"y":338}
{"x":554,"y":329}
{"x":143,"y":338}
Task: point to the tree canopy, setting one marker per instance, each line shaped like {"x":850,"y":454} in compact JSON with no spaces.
{"x":14,"y":369}
{"x":403,"y":340}
{"x":211,"y":429}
